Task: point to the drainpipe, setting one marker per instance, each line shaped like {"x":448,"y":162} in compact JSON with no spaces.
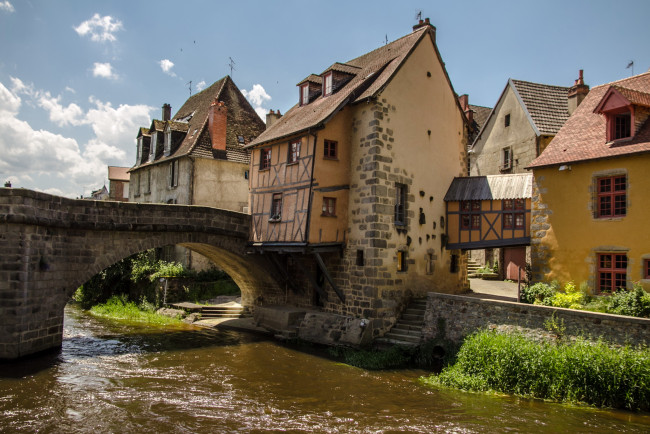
{"x":311,"y":185}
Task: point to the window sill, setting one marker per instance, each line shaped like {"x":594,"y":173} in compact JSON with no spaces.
{"x":331,"y":158}
{"x":275,"y":220}
{"x":293,"y":163}
{"x":328,"y":215}
{"x":609,"y":218}
{"x":266,"y":169}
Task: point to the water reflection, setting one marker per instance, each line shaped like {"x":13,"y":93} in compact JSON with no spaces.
{"x":112,"y":377}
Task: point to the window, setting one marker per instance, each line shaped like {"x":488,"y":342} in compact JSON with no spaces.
{"x":360,"y":261}
{"x":294,"y":152}
{"x":646,"y":269}
{"x":612,"y":197}
{"x":329,"y":207}
{"x":514,"y":213}
{"x":453,"y":264}
{"x":506,"y":159}
{"x":327,"y":84}
{"x":265,"y":158}
{"x":147,"y":183}
{"x":304,"y":94}
{"x":168,"y":142}
{"x":173,"y":174}
{"x":401,"y":261}
{"x":152,"y":147}
{"x":506,"y":121}
{"x":621,"y":124}
{"x":240,"y":139}
{"x":330,"y":150}
{"x":400,"y":204}
{"x":138,"y":157}
{"x":136,"y":191}
{"x":470,"y":214}
{"x":276,"y":207}
{"x":612,"y":271}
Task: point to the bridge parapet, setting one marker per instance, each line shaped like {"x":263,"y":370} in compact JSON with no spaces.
{"x":50,"y":245}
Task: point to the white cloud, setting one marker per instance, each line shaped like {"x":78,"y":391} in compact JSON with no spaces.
{"x":6,"y":6}
{"x":257,"y":96}
{"x":100,"y":29}
{"x":68,"y":167}
{"x":200,"y":86}
{"x":104,"y":70}
{"x":166,"y":65}
{"x":69,"y":89}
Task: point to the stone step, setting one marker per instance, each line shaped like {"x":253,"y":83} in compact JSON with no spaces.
{"x":222,"y":312}
{"x":414,"y":323}
{"x":391,"y":342}
{"x":412,"y":317}
{"x":220,"y":315}
{"x":403,"y":338}
{"x":401,"y":332}
{"x":401,"y":326}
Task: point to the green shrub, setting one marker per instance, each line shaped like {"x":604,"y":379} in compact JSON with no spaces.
{"x":571,"y":297}
{"x":539,"y":293}
{"x":580,"y":371}
{"x":635,"y":302}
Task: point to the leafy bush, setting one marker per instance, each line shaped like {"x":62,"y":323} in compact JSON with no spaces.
{"x":539,"y":293}
{"x":635,"y":302}
{"x":119,"y":307}
{"x":579,"y":371}
{"x":571,"y":297}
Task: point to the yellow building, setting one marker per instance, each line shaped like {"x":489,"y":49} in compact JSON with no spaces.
{"x":346,"y":189}
{"x":590,"y":193}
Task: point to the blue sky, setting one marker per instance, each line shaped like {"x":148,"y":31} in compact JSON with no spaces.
{"x":77,"y":78}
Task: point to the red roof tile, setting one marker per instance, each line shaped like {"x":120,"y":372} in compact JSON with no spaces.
{"x":583,"y":136}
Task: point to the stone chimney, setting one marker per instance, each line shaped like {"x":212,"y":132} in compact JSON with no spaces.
{"x":217,"y":121}
{"x":166,"y":112}
{"x":424,"y":23}
{"x":464,"y":104}
{"x":577,"y":93}
{"x":272,"y":117}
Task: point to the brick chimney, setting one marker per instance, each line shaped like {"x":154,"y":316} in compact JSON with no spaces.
{"x":217,"y":121}
{"x":577,"y":93}
{"x":464,"y":104}
{"x":272,"y":117}
{"x":166,"y":112}
{"x":424,"y":23}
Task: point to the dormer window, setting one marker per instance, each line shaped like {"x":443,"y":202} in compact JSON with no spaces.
{"x":619,"y":106}
{"x":304,"y":94}
{"x":327,"y":84}
{"x":152,"y":148}
{"x":139,"y":152}
{"x":622,"y":126}
{"x":168,"y":142}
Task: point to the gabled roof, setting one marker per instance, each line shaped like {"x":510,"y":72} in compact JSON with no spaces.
{"x":116,"y":173}
{"x":313,"y":78}
{"x":143,"y":131}
{"x":583,"y":137}
{"x":373,"y":71}
{"x":192,"y":119}
{"x":491,"y":187}
{"x":481,"y":114}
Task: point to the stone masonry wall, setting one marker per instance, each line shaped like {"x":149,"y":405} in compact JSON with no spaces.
{"x":460,"y":316}
{"x":539,"y":252}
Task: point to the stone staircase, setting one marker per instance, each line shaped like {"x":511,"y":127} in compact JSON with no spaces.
{"x":223,"y":311}
{"x":472,"y":266}
{"x":407,"y":331}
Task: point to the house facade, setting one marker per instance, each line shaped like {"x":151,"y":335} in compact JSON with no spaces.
{"x":346,"y":189}
{"x":197,"y":157}
{"x":523,"y":122}
{"x":118,"y":183}
{"x":590,"y":208}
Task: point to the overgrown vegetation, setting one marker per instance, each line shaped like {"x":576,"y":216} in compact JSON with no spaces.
{"x":137,"y":278}
{"x":119,"y":307}
{"x":577,"y":371}
{"x":634,"y":302}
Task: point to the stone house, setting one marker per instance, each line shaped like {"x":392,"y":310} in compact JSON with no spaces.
{"x":346,"y":189}
{"x":589,"y":207}
{"x":524,"y":120}
{"x":118,"y":183}
{"x":197,"y":157}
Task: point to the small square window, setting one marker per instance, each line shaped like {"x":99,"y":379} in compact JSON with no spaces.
{"x":276,"y":207}
{"x":622,"y":126}
{"x":331,"y":151}
{"x":329,"y":207}
{"x":360,"y":261}
{"x":401,"y":261}
{"x":612,"y":271}
{"x":265,"y":158}
{"x":294,"y":152}
{"x":240,"y":139}
{"x":507,"y":120}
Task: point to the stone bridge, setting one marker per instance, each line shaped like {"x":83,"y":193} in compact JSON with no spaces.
{"x":50,"y":245}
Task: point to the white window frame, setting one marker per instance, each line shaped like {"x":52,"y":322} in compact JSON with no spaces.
{"x":304,"y":94}
{"x":328,"y":81}
{"x":168,"y":142}
{"x":152,"y":147}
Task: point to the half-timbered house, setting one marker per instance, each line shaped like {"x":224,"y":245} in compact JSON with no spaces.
{"x":346,"y":188}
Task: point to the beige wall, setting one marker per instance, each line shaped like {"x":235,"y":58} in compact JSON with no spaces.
{"x":520,"y":136}
{"x":220,"y":184}
{"x":567,"y":236}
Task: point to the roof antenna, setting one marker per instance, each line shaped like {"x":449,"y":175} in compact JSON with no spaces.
{"x":386,"y":39}
{"x":232,"y":66}
{"x":190,"y":84}
{"x":418,"y":15}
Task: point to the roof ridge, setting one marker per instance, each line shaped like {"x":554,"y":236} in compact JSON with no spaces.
{"x":539,"y":84}
{"x":421,"y":29}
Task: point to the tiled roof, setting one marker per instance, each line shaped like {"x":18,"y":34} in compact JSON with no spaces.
{"x":375,"y":70}
{"x":583,"y":136}
{"x":480,"y":114}
{"x":143,"y":131}
{"x":342,"y":67}
{"x":634,"y":96}
{"x":313,"y":78}
{"x":547,"y":105}
{"x":157,"y":125}
{"x":491,"y":187}
{"x":116,"y":173}
{"x":242,"y":120}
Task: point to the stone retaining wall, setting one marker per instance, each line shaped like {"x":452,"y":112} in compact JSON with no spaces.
{"x":461,"y":315}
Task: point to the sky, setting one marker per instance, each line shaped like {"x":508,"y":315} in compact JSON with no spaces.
{"x":78,"y":78}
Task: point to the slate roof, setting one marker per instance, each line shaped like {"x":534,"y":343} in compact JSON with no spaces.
{"x":480,"y":114}
{"x":546,"y":105}
{"x":116,"y":173}
{"x":192,"y":119}
{"x":372,"y":72}
{"x":491,"y":187}
{"x":583,"y":137}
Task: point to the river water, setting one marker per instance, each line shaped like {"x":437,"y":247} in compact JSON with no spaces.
{"x":116,"y":377}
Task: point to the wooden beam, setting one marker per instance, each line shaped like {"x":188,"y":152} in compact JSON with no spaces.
{"x":283,"y":272}
{"x":323,"y":268}
{"x":315,"y":284}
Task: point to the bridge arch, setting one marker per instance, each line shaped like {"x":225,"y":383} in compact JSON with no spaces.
{"x":50,"y":245}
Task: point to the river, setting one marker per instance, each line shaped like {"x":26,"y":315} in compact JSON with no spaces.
{"x":116,"y":377}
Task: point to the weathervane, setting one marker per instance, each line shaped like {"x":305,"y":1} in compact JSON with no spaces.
{"x":232,"y":66}
{"x":631,"y":65}
{"x":190,"y":85}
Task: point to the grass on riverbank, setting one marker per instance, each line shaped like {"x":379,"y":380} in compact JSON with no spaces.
{"x":120,"y":308}
{"x":580,"y":371}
